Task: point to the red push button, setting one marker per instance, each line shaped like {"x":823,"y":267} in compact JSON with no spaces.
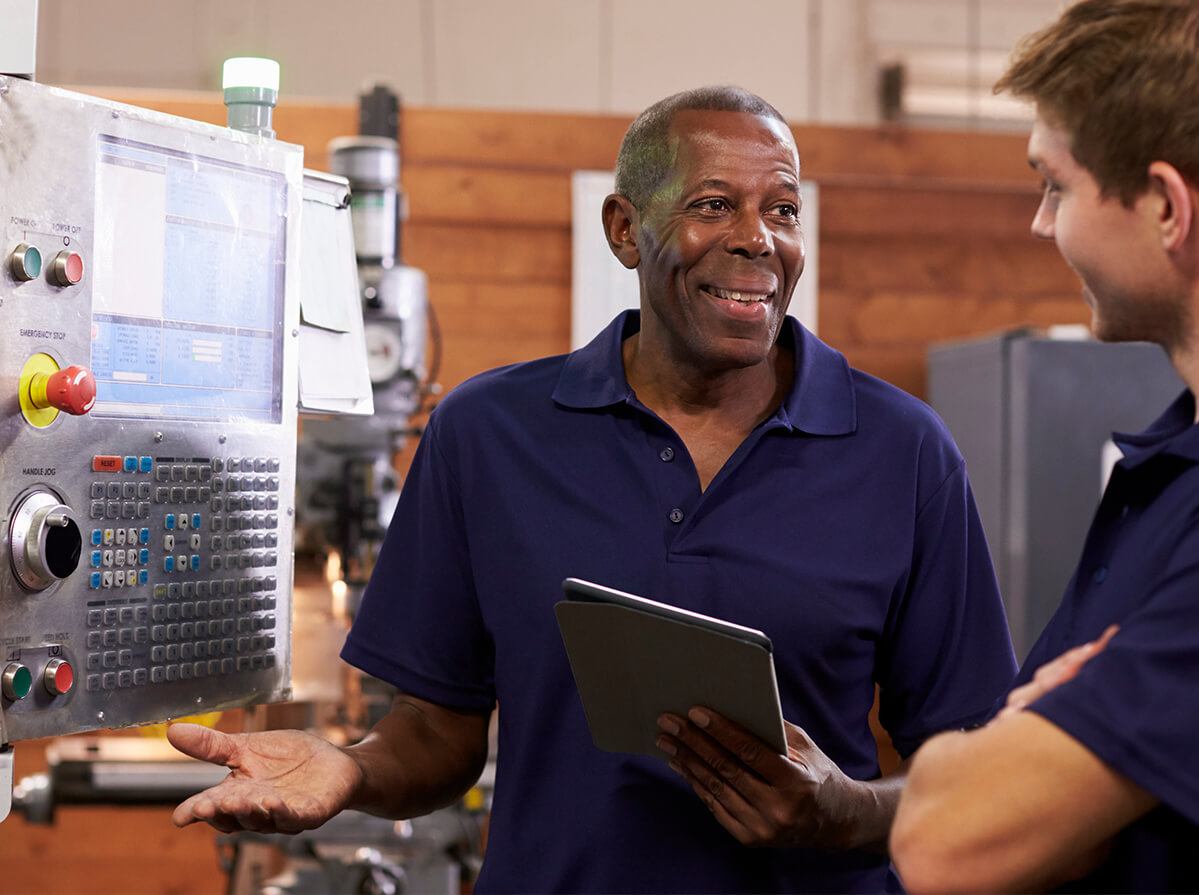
{"x":102,"y":463}
{"x":72,"y":390}
{"x":58,"y":677}
{"x":66,"y":269}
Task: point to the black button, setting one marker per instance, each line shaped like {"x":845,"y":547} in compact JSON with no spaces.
{"x":666,"y":454}
{"x":676,"y":515}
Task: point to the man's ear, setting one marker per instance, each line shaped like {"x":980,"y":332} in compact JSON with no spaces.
{"x":1177,"y":211}
{"x":621,"y":223}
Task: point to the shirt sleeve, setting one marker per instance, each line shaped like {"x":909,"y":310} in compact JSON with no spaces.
{"x":419,"y":626}
{"x":947,"y":655}
{"x":1132,"y":704}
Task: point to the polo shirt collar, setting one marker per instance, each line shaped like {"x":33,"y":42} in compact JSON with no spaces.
{"x":821,"y":400}
{"x":1173,"y":433}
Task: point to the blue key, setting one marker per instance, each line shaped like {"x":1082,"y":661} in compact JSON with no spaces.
{"x":95,"y":582}
{"x":146,"y":464}
{"x":97,"y":537}
{"x":131,"y":464}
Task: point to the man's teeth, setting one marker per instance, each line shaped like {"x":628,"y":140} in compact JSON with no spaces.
{"x":743,"y":297}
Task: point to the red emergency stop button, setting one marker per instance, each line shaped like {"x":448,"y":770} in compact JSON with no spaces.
{"x":66,"y":269}
{"x":72,"y":390}
{"x":58,"y":677}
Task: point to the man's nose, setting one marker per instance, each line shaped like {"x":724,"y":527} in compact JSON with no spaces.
{"x":751,"y":236}
{"x":1042,"y":221}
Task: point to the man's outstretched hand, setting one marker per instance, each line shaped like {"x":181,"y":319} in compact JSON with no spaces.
{"x":280,"y":781}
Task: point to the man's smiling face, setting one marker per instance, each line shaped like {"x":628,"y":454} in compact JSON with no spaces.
{"x":720,"y":246}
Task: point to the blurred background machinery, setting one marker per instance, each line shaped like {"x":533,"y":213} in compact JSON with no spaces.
{"x":1033,"y":413}
{"x":348,"y":485}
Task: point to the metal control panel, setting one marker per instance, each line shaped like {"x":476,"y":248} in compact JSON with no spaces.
{"x":148,"y":317}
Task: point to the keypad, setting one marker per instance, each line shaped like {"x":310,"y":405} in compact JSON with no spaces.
{"x":195,"y":587}
{"x":216,"y":626}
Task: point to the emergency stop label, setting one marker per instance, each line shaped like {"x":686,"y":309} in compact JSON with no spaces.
{"x":53,"y":335}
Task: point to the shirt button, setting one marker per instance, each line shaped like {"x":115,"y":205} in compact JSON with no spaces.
{"x":676,"y":515}
{"x":666,"y":454}
{"x":1100,"y":575}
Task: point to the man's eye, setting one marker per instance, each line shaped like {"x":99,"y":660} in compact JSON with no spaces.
{"x":788,"y":210}
{"x":712,"y":205}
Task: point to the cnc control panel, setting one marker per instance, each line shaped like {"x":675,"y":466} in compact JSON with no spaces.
{"x":148,"y":335}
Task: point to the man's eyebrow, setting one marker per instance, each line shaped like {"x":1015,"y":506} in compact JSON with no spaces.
{"x":1039,"y":165}
{"x":719,"y":185}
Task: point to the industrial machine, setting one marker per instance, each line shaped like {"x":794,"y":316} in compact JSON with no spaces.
{"x":1033,"y":414}
{"x":348,"y":484}
{"x":149,"y":313}
{"x":171,"y":297}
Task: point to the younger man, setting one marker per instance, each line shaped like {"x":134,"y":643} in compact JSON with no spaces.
{"x":1097,"y":781}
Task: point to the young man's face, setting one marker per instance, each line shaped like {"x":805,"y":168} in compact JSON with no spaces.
{"x":720,"y":243}
{"x":1115,"y":250}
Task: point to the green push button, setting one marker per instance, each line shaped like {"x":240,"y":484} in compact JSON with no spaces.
{"x":17,"y":681}
{"x":26,"y":262}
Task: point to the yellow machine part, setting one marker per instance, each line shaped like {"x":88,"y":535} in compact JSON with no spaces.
{"x":45,"y":365}
{"x":208,"y":719}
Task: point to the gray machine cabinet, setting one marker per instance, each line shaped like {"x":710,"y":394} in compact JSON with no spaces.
{"x":1031,"y":416}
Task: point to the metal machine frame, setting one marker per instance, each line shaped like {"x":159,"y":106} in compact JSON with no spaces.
{"x":147,"y":545}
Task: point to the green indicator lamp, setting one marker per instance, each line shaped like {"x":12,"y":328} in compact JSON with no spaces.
{"x":251,"y":87}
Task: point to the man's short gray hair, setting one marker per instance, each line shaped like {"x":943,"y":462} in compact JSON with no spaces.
{"x":645,"y":159}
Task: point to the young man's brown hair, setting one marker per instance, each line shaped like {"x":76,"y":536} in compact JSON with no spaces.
{"x":1122,"y":77}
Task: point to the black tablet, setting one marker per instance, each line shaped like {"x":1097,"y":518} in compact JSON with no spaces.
{"x":634,"y":658}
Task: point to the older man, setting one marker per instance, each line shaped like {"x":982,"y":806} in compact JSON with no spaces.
{"x":706,"y":451}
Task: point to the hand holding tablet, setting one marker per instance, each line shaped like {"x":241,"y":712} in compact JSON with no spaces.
{"x":634,"y":658}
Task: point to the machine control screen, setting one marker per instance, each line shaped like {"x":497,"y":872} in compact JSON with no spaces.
{"x":187,"y":313}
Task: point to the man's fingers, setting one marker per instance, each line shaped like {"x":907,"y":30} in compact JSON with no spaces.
{"x":202,"y":742}
{"x":1052,"y":674}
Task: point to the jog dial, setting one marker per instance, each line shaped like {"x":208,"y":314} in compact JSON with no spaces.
{"x":45,"y":542}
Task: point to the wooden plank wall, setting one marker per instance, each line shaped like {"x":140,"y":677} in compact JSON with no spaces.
{"x":924,"y":237}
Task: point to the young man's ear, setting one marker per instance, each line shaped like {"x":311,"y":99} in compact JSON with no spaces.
{"x":1177,"y":215}
{"x":621,"y":223}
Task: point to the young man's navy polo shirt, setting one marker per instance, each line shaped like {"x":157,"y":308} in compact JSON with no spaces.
{"x":1133,"y":704}
{"x":843,"y":527}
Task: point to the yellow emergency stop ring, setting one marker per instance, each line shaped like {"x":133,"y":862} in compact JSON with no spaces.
{"x":38,"y":363}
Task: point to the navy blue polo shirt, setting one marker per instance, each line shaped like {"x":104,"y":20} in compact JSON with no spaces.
{"x":843,"y":527}
{"x":1132,"y":705}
